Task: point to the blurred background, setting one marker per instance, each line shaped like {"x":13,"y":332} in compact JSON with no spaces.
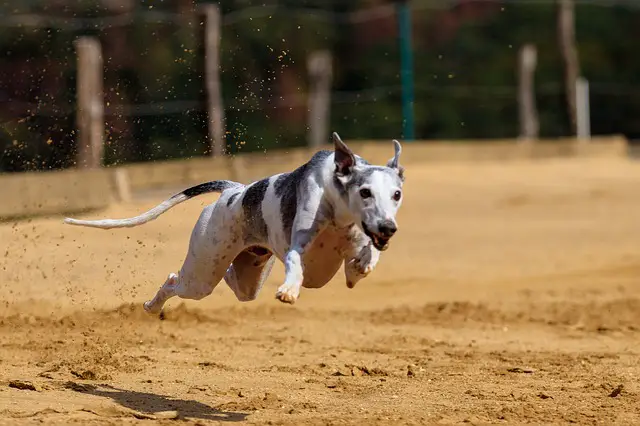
{"x":462,"y":78}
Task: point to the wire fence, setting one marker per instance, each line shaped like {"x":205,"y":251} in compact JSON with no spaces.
{"x":466,"y":84}
{"x":337,"y":97}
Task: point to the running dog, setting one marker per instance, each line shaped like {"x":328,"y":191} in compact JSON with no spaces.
{"x":335,"y":208}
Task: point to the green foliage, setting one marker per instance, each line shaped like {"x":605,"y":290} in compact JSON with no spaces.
{"x":465,"y":78}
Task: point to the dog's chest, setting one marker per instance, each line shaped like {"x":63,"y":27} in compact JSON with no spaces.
{"x":330,"y":240}
{"x":324,"y":256}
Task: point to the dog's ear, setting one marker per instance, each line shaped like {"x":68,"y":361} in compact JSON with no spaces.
{"x":394,"y":163}
{"x":344,"y":158}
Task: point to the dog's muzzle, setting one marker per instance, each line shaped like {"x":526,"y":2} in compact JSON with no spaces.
{"x":380,"y":240}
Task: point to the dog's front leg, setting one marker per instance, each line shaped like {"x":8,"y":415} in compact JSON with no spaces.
{"x":289,"y":291}
{"x":362,"y":260}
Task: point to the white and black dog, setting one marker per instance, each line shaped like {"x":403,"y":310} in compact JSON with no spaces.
{"x":335,"y":208}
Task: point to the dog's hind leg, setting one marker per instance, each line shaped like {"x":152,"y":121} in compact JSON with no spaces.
{"x":213,"y":245}
{"x":167,"y":291}
{"x":248,"y":272}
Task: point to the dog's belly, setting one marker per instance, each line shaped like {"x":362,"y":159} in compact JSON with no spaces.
{"x":323,"y":258}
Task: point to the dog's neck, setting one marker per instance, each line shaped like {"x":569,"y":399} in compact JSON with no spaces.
{"x":342,"y":216}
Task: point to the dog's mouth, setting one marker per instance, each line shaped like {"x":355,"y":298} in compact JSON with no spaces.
{"x":379,"y":242}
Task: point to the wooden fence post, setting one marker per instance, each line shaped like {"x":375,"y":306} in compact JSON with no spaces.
{"x":215,"y":110}
{"x":529,"y":125}
{"x":583,"y":114}
{"x":319,"y":101}
{"x":567,"y":42}
{"x":90,"y":103}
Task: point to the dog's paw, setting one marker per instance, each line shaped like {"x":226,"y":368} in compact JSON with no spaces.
{"x":364,"y":263}
{"x":353,"y":273}
{"x":364,"y":269}
{"x":152,"y":309}
{"x":287,"y":294}
{"x":286,"y":297}
{"x":360,"y":266}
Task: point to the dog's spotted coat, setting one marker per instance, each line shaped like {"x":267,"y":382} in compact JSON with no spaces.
{"x":334,"y":209}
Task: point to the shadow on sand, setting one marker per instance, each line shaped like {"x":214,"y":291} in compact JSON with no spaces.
{"x":151,"y":403}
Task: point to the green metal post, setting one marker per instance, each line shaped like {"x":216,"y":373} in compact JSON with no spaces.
{"x":406,"y":68}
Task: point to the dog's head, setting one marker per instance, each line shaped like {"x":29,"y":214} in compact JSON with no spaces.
{"x":372,"y":194}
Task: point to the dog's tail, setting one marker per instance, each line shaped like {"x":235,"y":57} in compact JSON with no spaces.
{"x":203,"y":188}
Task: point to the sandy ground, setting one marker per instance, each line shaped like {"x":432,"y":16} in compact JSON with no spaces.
{"x":511,"y":294}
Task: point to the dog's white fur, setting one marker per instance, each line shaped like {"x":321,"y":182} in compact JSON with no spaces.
{"x":335,"y":208}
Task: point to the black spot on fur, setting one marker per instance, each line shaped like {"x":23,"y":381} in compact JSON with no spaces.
{"x":286,"y":187}
{"x":231,"y":199}
{"x":252,"y":206}
{"x":214,"y":186}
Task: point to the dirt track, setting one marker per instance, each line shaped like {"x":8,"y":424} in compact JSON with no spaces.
{"x":510,"y":294}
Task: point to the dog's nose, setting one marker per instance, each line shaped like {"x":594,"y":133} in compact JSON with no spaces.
{"x":387,"y":228}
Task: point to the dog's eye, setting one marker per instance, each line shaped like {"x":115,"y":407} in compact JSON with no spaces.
{"x":397,"y":195}
{"x":365,"y":193}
